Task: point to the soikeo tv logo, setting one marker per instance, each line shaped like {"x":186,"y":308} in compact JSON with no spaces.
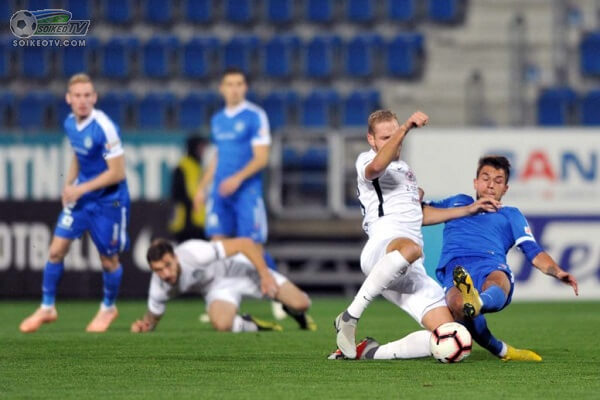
{"x":51,"y":22}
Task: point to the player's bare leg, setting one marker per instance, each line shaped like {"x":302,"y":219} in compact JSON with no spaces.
{"x":107,"y":313}
{"x":46,"y":313}
{"x":296,"y":303}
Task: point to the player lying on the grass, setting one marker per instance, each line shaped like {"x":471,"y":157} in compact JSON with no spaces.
{"x":392,"y":257}
{"x":95,"y":199}
{"x":222,"y":272}
{"x":473,"y":268}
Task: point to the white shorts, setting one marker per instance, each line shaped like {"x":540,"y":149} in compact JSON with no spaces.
{"x":240,"y":280}
{"x":416,"y":292}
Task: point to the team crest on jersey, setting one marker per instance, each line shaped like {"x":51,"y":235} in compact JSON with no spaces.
{"x":87,"y":142}
{"x":410,"y":176}
{"x":239,"y":126}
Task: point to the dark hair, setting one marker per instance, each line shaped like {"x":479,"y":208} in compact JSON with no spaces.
{"x":158,"y":248}
{"x":234,"y":71}
{"x":497,"y":162}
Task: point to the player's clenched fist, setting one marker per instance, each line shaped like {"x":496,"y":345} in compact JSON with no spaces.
{"x":417,"y":120}
{"x":140,"y":326}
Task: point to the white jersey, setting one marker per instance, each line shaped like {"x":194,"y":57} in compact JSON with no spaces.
{"x":201,"y":263}
{"x":390,"y":203}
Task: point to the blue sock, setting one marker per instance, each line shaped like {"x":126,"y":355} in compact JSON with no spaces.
{"x":270,"y":261}
{"x":493,"y":299}
{"x":482,"y":335}
{"x":52,"y":274}
{"x":112,"y":281}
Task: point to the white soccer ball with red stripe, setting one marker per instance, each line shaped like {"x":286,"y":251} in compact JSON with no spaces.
{"x":450,"y":342}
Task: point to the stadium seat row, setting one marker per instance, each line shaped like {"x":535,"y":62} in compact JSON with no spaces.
{"x":563,"y":106}
{"x":159,"y":110}
{"x":589,"y":53}
{"x":247,"y":12}
{"x":202,"y":57}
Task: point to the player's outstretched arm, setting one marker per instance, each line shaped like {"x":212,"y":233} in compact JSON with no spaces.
{"x":253,"y":252}
{"x":389,"y":152}
{"x":434,"y":215}
{"x":205,"y":182}
{"x":146,"y":324}
{"x":260,"y":159}
{"x":545,"y":263}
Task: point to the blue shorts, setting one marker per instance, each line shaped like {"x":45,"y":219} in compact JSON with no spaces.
{"x":242,"y":214}
{"x":479,"y":268}
{"x":106,"y":222}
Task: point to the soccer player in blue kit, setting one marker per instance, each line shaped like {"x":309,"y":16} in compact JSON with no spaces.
{"x":473,"y":268}
{"x":95,"y":199}
{"x":233,"y":180}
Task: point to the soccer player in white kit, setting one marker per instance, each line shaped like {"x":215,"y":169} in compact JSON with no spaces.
{"x":392,"y":257}
{"x":222,"y":272}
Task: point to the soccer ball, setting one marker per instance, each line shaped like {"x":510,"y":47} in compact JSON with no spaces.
{"x":450,"y":342}
{"x":23,"y":24}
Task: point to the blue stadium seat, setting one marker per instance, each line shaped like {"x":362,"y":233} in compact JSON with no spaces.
{"x":358,"y":105}
{"x":280,"y":11}
{"x":153,"y":110}
{"x":7,"y":106}
{"x":200,"y":57}
{"x":557,"y":106}
{"x":362,"y":54}
{"x":6,"y":55}
{"x":446,"y":11}
{"x":117,"y":105}
{"x":34,"y":110}
{"x":198,"y":11}
{"x":117,"y":55}
{"x":62,"y":109}
{"x":280,"y":107}
{"x":281,"y":55}
{"x":589,"y":52}
{"x":194,"y":109}
{"x":402,"y":10}
{"x":35,"y":61}
{"x":320,"y":56}
{"x":320,"y":11}
{"x":319,"y":108}
{"x":240,"y":11}
{"x":33,"y":5}
{"x":360,"y":11}
{"x":239,"y":52}
{"x":75,"y":59}
{"x":118,"y":11}
{"x":80,"y":9}
{"x":158,"y":54}
{"x":405,"y":55}
{"x":158,"y":11}
{"x":590,"y":108}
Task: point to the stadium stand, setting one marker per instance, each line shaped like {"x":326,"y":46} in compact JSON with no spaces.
{"x":590,"y":105}
{"x":557,"y":106}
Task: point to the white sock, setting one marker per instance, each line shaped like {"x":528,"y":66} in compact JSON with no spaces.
{"x":241,"y":325}
{"x":503,"y":351}
{"x":413,"y":345}
{"x":383,"y":274}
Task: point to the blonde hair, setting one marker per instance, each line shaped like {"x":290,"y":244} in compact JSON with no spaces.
{"x":380,"y":116}
{"x":79,"y":78}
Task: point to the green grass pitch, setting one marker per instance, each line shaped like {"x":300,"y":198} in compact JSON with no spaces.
{"x":185,"y":359}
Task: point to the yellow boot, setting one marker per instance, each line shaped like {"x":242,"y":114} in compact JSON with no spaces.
{"x":513,"y":354}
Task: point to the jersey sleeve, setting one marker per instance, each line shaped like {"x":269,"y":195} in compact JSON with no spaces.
{"x":519,"y":227}
{"x":261,"y":135}
{"x":361,"y":163}
{"x":458,"y":200}
{"x":109,"y":137}
{"x":158,"y":296}
{"x":195,"y":253}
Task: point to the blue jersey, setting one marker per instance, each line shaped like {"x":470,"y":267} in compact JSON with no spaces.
{"x":485,"y":235}
{"x":95,"y":140}
{"x":234,"y":132}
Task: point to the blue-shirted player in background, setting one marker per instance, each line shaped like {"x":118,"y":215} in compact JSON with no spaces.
{"x":473,"y":268}
{"x":95,"y":199}
{"x":233,"y":178}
